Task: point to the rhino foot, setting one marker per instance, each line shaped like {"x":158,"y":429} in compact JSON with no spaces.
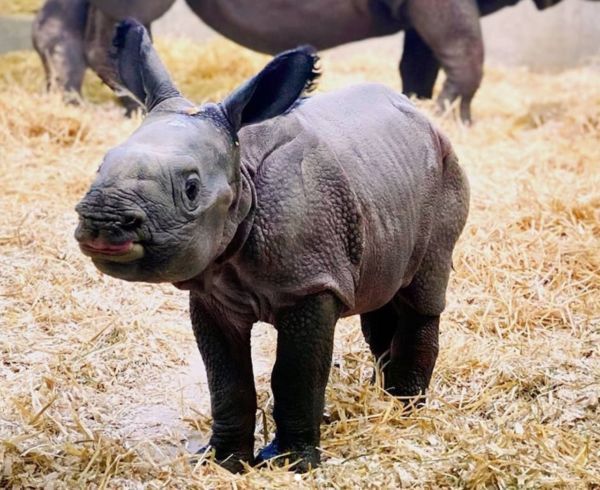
{"x":234,"y":462}
{"x":301,"y":460}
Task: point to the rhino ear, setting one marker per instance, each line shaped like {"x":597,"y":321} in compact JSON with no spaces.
{"x":274,"y":89}
{"x":139,"y":71}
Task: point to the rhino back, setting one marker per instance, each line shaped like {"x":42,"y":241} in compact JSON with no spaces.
{"x":346,"y":188}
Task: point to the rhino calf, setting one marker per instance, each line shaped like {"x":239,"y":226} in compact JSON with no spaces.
{"x":295,"y":211}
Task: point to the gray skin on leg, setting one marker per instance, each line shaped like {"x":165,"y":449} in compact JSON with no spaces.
{"x":419,"y":67}
{"x":403,"y":334}
{"x":275,"y":207}
{"x":57,"y":36}
{"x":456,"y":41}
{"x":405,"y":346}
{"x":72,"y":35}
{"x":225,"y":351}
{"x":99,"y":31}
{"x":439,"y":33}
{"x":304,"y":349}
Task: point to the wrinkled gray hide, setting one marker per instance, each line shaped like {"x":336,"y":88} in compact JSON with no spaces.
{"x":363,"y":164}
{"x":288,"y":210}
{"x":439,"y":34}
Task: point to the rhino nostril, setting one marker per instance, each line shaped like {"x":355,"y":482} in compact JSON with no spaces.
{"x":131,"y":222}
{"x":81,"y":233}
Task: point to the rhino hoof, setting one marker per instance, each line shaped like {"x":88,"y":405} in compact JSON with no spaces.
{"x":233,"y":463}
{"x":301,"y":461}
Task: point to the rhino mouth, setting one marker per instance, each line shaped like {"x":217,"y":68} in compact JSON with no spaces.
{"x":123,"y":252}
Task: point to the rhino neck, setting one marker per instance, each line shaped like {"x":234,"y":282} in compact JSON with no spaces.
{"x":175,"y":104}
{"x":241,"y":219}
{"x":235,"y":233}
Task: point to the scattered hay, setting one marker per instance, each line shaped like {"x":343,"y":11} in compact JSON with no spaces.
{"x":100,"y":380}
{"x":202,"y":72}
{"x":14,"y":7}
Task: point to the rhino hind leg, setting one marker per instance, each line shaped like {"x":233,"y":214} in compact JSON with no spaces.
{"x":418,"y":68}
{"x":57,"y":36}
{"x":405,"y":345}
{"x":454,"y":36}
{"x":99,"y":31}
{"x":403,"y":334}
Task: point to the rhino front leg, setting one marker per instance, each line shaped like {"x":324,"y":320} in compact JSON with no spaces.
{"x":304,"y":351}
{"x":225,"y":351}
{"x":418,"y":68}
{"x":453,"y":32}
{"x":57,"y":36}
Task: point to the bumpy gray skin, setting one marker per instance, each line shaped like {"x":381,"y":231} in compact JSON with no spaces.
{"x":444,"y":33}
{"x":71,"y":35}
{"x":288,"y":210}
{"x":58,"y":32}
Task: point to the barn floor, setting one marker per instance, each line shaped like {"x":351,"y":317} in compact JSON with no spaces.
{"x":100,"y":382}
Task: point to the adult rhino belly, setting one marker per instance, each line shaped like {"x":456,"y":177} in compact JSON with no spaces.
{"x":271,"y":26}
{"x":145,"y":11}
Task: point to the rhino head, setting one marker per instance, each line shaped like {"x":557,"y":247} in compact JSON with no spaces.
{"x":167,"y":202}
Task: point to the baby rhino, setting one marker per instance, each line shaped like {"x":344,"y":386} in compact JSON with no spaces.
{"x":295,"y":211}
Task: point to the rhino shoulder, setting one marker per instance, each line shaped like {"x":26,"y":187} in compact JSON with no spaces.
{"x":308,"y":229}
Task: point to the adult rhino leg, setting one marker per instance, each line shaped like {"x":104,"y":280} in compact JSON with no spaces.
{"x":453,"y":32}
{"x":57,"y":36}
{"x":304,"y":349}
{"x":225,"y":351}
{"x":99,"y":32}
{"x":419,"y":67}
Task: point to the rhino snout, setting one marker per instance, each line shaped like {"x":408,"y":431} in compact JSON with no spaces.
{"x":111,"y":237}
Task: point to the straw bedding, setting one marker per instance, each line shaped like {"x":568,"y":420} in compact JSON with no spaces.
{"x":100,"y":382}
{"x":12,"y":7}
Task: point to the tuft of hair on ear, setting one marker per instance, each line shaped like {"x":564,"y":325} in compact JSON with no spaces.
{"x":120,"y":36}
{"x":275,"y":89}
{"x":312,"y":80}
{"x":128,"y":33}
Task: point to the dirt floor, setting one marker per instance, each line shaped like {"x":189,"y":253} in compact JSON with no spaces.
{"x":100,"y":382}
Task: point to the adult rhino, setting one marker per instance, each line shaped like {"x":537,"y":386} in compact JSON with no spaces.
{"x":72,"y":34}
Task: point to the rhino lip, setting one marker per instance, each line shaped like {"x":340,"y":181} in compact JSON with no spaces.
{"x":112,"y":252}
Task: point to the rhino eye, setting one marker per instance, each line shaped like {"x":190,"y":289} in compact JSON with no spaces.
{"x":192,"y":187}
